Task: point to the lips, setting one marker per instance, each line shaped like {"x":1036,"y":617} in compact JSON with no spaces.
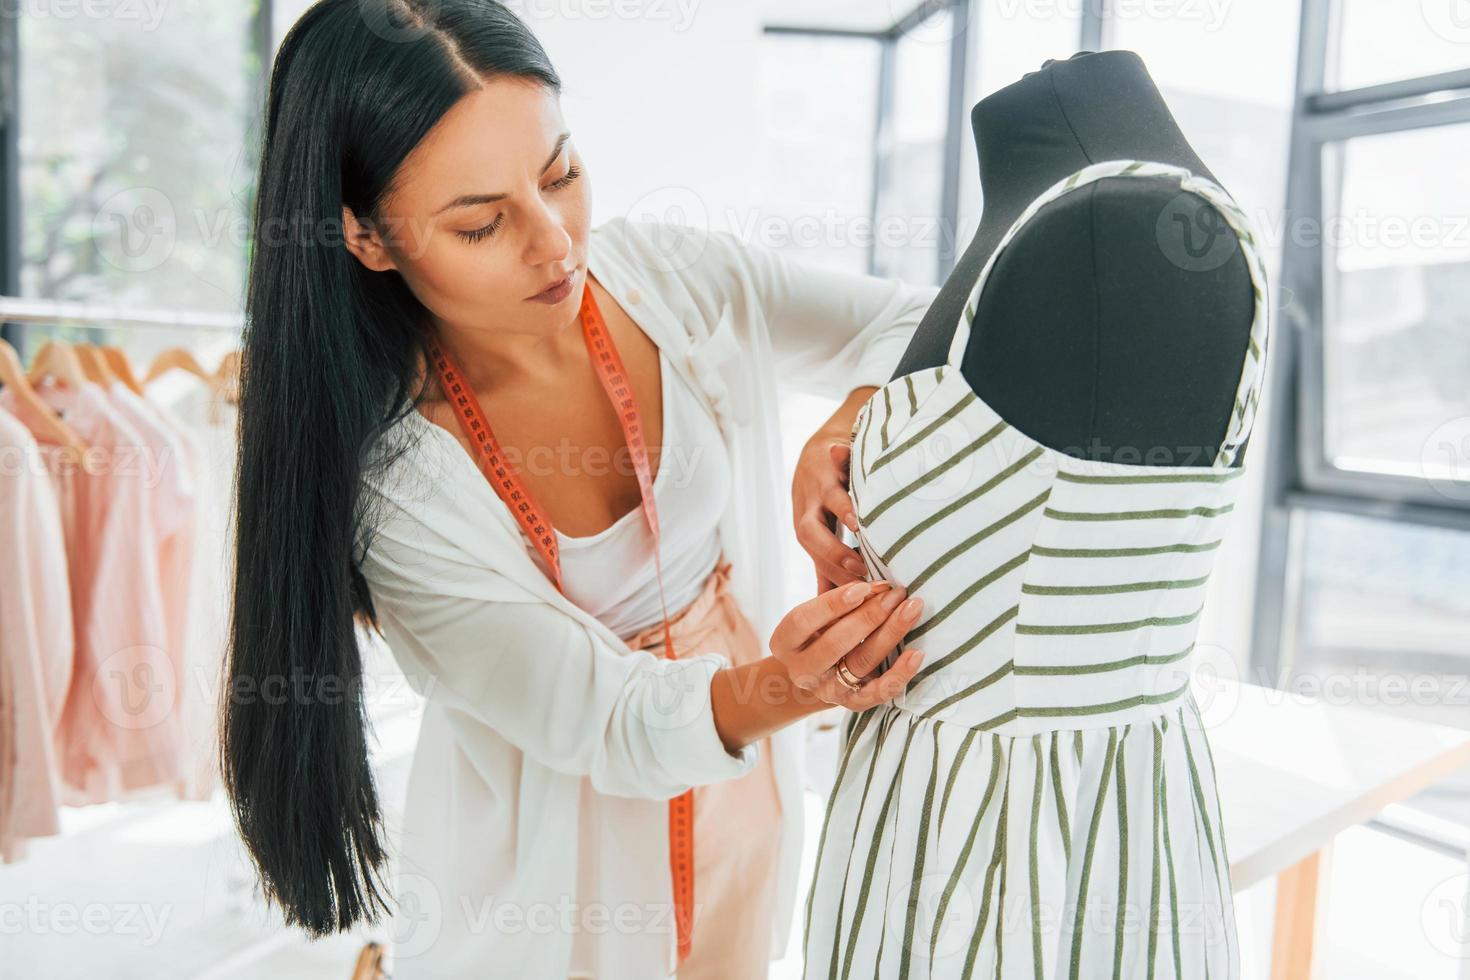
{"x":553,"y":285}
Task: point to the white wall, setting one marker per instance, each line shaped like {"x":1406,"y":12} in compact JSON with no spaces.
{"x":658,"y":95}
{"x":661,"y":105}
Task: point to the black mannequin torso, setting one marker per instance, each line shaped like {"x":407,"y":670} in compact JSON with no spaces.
{"x":1088,"y":337}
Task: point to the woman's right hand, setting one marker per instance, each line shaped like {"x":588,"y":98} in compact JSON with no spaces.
{"x":862,"y":622}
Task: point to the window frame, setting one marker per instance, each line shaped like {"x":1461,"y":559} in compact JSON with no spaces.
{"x":1299,"y":478}
{"x":965,"y":13}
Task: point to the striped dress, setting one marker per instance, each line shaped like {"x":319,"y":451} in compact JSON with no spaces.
{"x":1040,"y":802}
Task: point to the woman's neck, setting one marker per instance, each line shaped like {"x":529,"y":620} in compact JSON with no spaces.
{"x":498,"y":358}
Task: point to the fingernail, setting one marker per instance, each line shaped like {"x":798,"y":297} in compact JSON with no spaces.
{"x":892,"y":599}
{"x":918,"y":658}
{"x":854,"y":592}
{"x":912,"y":607}
{"x":854,"y":565}
{"x":851,"y":521}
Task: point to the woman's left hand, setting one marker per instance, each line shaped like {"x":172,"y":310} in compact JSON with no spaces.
{"x":818,"y":500}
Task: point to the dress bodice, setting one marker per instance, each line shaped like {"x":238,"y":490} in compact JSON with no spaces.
{"x":1059,"y":592}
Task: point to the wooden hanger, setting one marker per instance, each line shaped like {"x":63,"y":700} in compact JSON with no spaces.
{"x":228,"y":375}
{"x":178,"y":358}
{"x":57,"y":359}
{"x":122,"y":367}
{"x":94,"y":365}
{"x":13,"y":376}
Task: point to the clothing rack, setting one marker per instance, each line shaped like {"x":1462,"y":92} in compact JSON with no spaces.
{"x":17,"y":317}
{"x":52,"y":314}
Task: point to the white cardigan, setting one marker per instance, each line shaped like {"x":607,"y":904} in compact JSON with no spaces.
{"x":538,"y":715}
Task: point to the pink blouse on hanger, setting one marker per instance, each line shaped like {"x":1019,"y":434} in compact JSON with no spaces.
{"x":35,"y":641}
{"x":170,"y":490}
{"x":120,"y":727}
{"x":206,"y":421}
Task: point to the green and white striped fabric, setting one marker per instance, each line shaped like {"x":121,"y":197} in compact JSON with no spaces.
{"x":1040,"y":802}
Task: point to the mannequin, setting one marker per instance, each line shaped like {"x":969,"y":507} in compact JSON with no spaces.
{"x":1113,"y":326}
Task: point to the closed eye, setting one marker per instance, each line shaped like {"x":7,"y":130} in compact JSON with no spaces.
{"x":572,"y":174}
{"x":485,"y":232}
{"x":481,"y":233}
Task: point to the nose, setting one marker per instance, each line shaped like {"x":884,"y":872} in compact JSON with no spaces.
{"x":548,"y":240}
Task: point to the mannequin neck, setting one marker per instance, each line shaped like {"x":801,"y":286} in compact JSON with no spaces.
{"x":1051,"y":123}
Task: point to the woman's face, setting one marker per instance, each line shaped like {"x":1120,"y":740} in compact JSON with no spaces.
{"x":490,"y":209}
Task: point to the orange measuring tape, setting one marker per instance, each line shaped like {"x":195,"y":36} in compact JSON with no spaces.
{"x":533,"y":520}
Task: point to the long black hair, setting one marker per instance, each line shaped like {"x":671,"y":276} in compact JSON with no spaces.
{"x":329,"y":357}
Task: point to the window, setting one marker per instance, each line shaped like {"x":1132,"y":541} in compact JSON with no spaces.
{"x":1384,"y":623}
{"x":1364,"y":566}
{"x":135,"y":170}
{"x":1391,"y":40}
{"x":911,"y":150}
{"x":864,"y":118}
{"x":1018,"y":37}
{"x":1397,"y":301}
{"x":819,"y":108}
{"x":1237,"y":118}
{"x":135,"y":163}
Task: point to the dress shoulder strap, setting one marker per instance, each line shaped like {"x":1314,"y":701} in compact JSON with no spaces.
{"x":1253,"y":364}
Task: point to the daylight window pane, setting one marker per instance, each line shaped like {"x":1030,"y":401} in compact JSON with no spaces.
{"x":814,"y":194}
{"x":135,"y":172}
{"x":1397,"y":305}
{"x":1390,"y":40}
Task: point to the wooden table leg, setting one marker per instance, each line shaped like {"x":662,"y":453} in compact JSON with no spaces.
{"x":1301,"y":898}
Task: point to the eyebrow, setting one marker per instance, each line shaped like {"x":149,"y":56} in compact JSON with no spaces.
{"x":470,"y":200}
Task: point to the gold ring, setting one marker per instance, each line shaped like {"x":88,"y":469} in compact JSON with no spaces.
{"x":848,"y":679}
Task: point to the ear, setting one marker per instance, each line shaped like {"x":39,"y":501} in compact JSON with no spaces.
{"x":363,"y":241}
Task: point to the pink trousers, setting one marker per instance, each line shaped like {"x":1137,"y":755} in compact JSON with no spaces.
{"x":736,"y":822}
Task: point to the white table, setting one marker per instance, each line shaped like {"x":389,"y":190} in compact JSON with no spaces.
{"x":1292,"y":774}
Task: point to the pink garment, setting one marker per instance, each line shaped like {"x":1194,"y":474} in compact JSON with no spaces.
{"x":35,"y":641}
{"x":201,"y":660}
{"x":120,"y":727}
{"x":171,"y":499}
{"x":206,"y":421}
{"x":736,"y":822}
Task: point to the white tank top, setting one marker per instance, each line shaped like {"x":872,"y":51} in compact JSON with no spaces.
{"x":611,"y":573}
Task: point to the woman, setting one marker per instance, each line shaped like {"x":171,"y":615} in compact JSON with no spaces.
{"x":541,"y":836}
